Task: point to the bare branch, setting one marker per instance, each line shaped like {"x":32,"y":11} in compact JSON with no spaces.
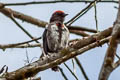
{"x":26,"y":32}
{"x":23,"y":17}
{"x":63,"y":74}
{"x":78,"y":15}
{"x":65,"y":1}
{"x":81,"y":68}
{"x":85,"y":41}
{"x":55,"y":59}
{"x":81,"y":33}
{"x":39,"y":23}
{"x":20,"y":45}
{"x":108,"y":63}
{"x":80,"y":42}
{"x":81,"y":28}
{"x":71,"y":71}
{"x":117,"y":64}
{"x":96,"y":21}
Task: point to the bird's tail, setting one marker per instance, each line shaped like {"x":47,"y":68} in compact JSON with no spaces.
{"x":56,"y":68}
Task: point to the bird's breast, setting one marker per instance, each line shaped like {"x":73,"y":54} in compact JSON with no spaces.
{"x":54,"y":37}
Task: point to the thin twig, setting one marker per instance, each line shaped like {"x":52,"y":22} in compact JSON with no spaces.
{"x":49,"y":2}
{"x":81,"y":68}
{"x":80,"y":33}
{"x":71,"y":71}
{"x":81,"y":13}
{"x":21,"y":45}
{"x":116,"y":64}
{"x":74,"y":70}
{"x":117,"y":56}
{"x":82,"y":29}
{"x":79,"y":16}
{"x":27,"y":60}
{"x":96,"y":21}
{"x":63,"y":74}
{"x":2,"y":69}
{"x":26,"y":46}
{"x":12,"y":18}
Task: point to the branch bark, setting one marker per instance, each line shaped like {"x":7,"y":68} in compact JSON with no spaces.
{"x":108,"y":64}
{"x":56,"y":59}
{"x":21,"y":45}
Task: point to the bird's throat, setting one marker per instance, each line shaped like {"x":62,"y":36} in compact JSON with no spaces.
{"x":60,"y":25}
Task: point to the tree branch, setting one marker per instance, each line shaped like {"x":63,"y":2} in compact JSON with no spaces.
{"x":23,"y":17}
{"x":96,"y":20}
{"x":79,"y":33}
{"x":61,"y":71}
{"x":34,"y":21}
{"x":40,"y":65}
{"x":71,"y":71}
{"x":25,"y":31}
{"x":49,"y":2}
{"x":108,"y":63}
{"x":20,"y":45}
{"x":81,"y":13}
{"x":78,"y":28}
{"x":81,"y":68}
{"x":57,"y":58}
{"x":79,"y":42}
{"x":116,"y":64}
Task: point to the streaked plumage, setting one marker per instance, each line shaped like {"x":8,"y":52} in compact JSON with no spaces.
{"x":56,"y":34}
{"x":53,"y":39}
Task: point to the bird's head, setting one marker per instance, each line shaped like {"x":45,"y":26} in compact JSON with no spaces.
{"x":59,"y":13}
{"x":58,"y":16}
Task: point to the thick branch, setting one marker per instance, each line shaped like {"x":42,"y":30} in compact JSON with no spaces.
{"x":85,"y":41}
{"x":56,"y":59}
{"x":40,"y":65}
{"x":108,"y":63}
{"x":108,"y":60}
{"x":23,"y":17}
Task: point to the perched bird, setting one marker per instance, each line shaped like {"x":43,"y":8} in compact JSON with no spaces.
{"x":56,"y":34}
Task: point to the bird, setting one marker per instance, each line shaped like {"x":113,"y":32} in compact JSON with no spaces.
{"x":55,"y":35}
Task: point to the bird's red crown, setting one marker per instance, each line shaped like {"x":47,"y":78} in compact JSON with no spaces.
{"x":58,"y":11}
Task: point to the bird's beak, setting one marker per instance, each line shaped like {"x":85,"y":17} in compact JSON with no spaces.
{"x":65,"y":14}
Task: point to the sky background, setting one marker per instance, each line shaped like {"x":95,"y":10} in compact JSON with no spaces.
{"x":91,"y":60}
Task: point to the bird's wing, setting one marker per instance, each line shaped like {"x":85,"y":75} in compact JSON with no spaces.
{"x":45,"y":44}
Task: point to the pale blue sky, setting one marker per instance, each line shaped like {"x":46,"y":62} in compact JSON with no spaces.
{"x":91,"y":60}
